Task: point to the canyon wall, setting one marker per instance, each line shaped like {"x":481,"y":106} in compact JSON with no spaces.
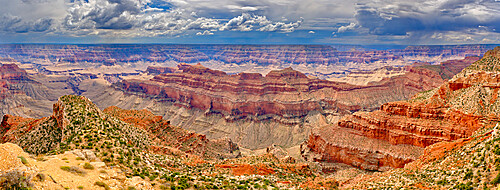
{"x":286,"y":93}
{"x":254,"y":110}
{"x":454,"y":110}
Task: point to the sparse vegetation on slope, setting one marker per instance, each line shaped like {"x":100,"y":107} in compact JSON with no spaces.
{"x":146,"y":148}
{"x":466,"y":163}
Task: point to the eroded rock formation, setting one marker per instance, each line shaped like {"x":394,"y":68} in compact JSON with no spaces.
{"x":454,"y":110}
{"x":255,"y":110}
{"x":286,"y":93}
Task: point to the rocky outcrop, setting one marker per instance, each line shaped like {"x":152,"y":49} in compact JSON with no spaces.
{"x":286,"y":93}
{"x":60,"y":115}
{"x":452,"y":111}
{"x":400,"y":123}
{"x":417,"y":72}
{"x":12,"y":73}
{"x":10,"y":76}
{"x":10,"y":124}
{"x":456,"y":163}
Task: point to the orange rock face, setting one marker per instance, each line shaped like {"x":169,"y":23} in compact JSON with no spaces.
{"x":349,"y":146}
{"x":280,"y":92}
{"x":11,"y":122}
{"x":403,"y":123}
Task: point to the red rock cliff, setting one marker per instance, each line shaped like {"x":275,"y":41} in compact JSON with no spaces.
{"x":287,"y":93}
{"x":453,"y":110}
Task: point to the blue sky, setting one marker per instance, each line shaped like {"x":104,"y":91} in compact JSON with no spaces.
{"x":404,"y":22}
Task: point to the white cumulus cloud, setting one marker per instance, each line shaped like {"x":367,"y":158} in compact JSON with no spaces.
{"x":206,"y":32}
{"x":343,"y":29}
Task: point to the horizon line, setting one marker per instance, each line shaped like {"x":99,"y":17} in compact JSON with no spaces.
{"x":251,"y":44}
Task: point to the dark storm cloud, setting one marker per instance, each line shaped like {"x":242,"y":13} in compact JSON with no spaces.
{"x":390,"y":18}
{"x":9,"y":23}
{"x":455,"y":4}
{"x":380,"y":26}
{"x":42,"y":25}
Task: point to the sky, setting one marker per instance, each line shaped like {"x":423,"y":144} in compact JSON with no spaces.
{"x":400,"y":22}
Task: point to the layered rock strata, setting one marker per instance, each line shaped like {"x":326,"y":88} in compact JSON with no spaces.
{"x":348,"y":146}
{"x":286,"y":93}
{"x":254,"y":110}
{"x":119,"y":61}
{"x":449,"y":68}
{"x":452,"y":111}
{"x":261,"y":54}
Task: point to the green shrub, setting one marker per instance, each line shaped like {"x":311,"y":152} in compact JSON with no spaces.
{"x":461,"y":186}
{"x":496,"y":150}
{"x":88,"y":166}
{"x":73,"y":169}
{"x":442,"y":182}
{"x":65,"y":168}
{"x":496,"y":180}
{"x":23,"y":160}
{"x":40,"y":177}
{"x":468,"y":175}
{"x":102,"y":184}
{"x":40,"y":158}
{"x":15,"y":179}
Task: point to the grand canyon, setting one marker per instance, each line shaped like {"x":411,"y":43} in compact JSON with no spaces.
{"x":239,"y":94}
{"x":150,"y":120}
